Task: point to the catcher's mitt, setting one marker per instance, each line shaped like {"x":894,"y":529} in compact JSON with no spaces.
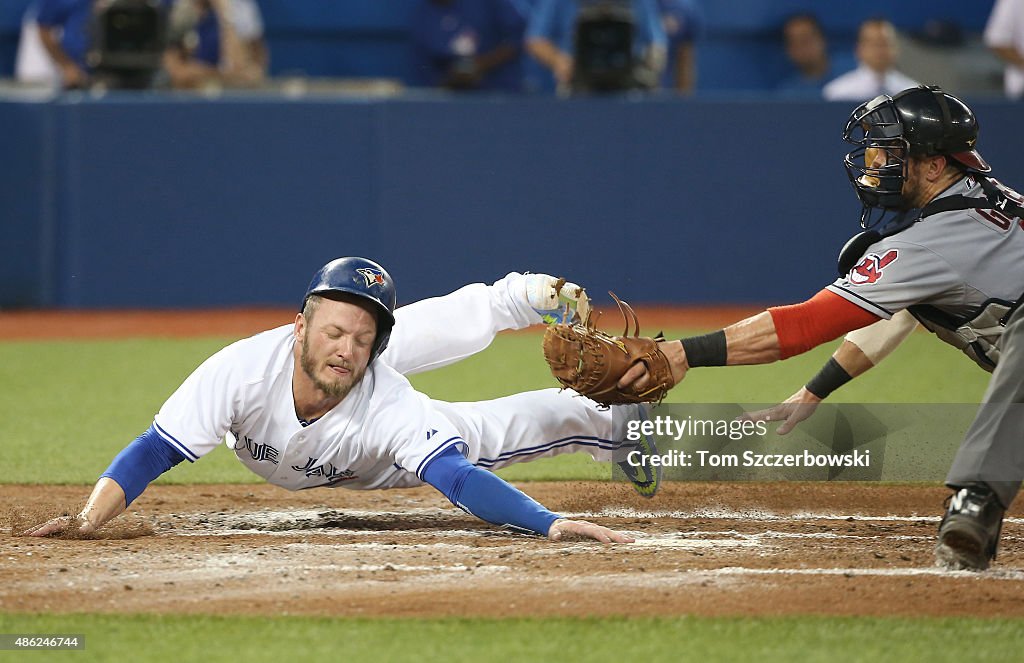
{"x":590,"y":362}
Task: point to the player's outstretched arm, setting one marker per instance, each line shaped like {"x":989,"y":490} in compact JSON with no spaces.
{"x":778,"y":333}
{"x":860,"y":351}
{"x":488,"y":497}
{"x":129,"y":474}
{"x":440,"y":331}
{"x":106,"y":501}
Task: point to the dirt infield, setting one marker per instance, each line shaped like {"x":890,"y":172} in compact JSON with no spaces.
{"x":706,"y":549}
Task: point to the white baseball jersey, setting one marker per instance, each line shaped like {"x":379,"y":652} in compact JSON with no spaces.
{"x":864,"y":83}
{"x":955,"y":262}
{"x":1005,"y":29}
{"x":384,"y":432}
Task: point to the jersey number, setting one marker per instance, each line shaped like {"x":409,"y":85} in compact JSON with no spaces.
{"x":997,"y":218}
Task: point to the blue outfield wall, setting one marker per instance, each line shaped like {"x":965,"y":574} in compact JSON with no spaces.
{"x":165,"y":201}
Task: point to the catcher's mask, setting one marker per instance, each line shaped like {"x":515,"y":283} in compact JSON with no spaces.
{"x":364,"y":279}
{"x":888,"y":131}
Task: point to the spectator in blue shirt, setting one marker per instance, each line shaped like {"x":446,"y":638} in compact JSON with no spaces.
{"x":64,"y":30}
{"x":684,"y":24}
{"x":807,"y":50}
{"x":468,"y":44}
{"x":552,"y":27}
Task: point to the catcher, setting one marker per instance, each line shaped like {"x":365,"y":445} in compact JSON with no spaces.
{"x":943,"y":246}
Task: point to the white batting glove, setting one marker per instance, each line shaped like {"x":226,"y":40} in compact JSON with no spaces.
{"x":554,"y":299}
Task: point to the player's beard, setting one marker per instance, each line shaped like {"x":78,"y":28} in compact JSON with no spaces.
{"x":908,"y":194}
{"x":337,"y":388}
{"x":913,"y":186}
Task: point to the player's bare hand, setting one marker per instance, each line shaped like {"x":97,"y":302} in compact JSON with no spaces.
{"x":563,"y":69}
{"x":74,"y":77}
{"x":563,"y":529}
{"x":637,"y":374}
{"x":790,"y":412}
{"x":60,"y":525}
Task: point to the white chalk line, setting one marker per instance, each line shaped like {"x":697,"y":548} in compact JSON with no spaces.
{"x":335,"y":531}
{"x":682,"y":541}
{"x":692,"y":539}
{"x":313,"y":515}
{"x":991,"y":574}
{"x":756,"y":515}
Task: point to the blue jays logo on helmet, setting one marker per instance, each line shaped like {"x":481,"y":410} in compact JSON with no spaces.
{"x":372,"y":276}
{"x":363,"y":278}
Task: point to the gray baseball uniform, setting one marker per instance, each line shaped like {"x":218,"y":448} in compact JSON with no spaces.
{"x":960,"y":273}
{"x":993,"y":449}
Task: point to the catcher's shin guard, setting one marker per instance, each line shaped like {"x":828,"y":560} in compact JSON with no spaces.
{"x":969,"y":531}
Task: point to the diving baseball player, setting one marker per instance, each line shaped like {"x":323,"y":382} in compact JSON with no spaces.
{"x":943,"y":246}
{"x":324,"y":402}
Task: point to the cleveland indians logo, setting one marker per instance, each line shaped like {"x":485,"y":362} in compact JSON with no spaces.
{"x":372,"y":276}
{"x":869,"y":270}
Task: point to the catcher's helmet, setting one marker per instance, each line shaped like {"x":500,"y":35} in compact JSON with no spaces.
{"x":917,"y":122}
{"x":363,"y":278}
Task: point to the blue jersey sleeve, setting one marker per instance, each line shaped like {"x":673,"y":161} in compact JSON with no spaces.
{"x":141,"y":462}
{"x":544,"y":22}
{"x":485,"y":495}
{"x":649,"y":30}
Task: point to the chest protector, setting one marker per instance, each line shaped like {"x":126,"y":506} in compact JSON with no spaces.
{"x":978,"y":333}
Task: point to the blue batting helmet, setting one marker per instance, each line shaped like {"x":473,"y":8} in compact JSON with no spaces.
{"x":361,"y":278}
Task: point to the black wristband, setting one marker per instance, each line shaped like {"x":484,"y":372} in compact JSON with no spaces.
{"x":707,"y":350}
{"x":831,"y":376}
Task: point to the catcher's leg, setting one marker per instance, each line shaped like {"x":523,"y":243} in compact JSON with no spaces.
{"x":549,"y":422}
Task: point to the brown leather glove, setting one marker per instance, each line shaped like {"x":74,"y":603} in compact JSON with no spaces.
{"x":590,"y":362}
